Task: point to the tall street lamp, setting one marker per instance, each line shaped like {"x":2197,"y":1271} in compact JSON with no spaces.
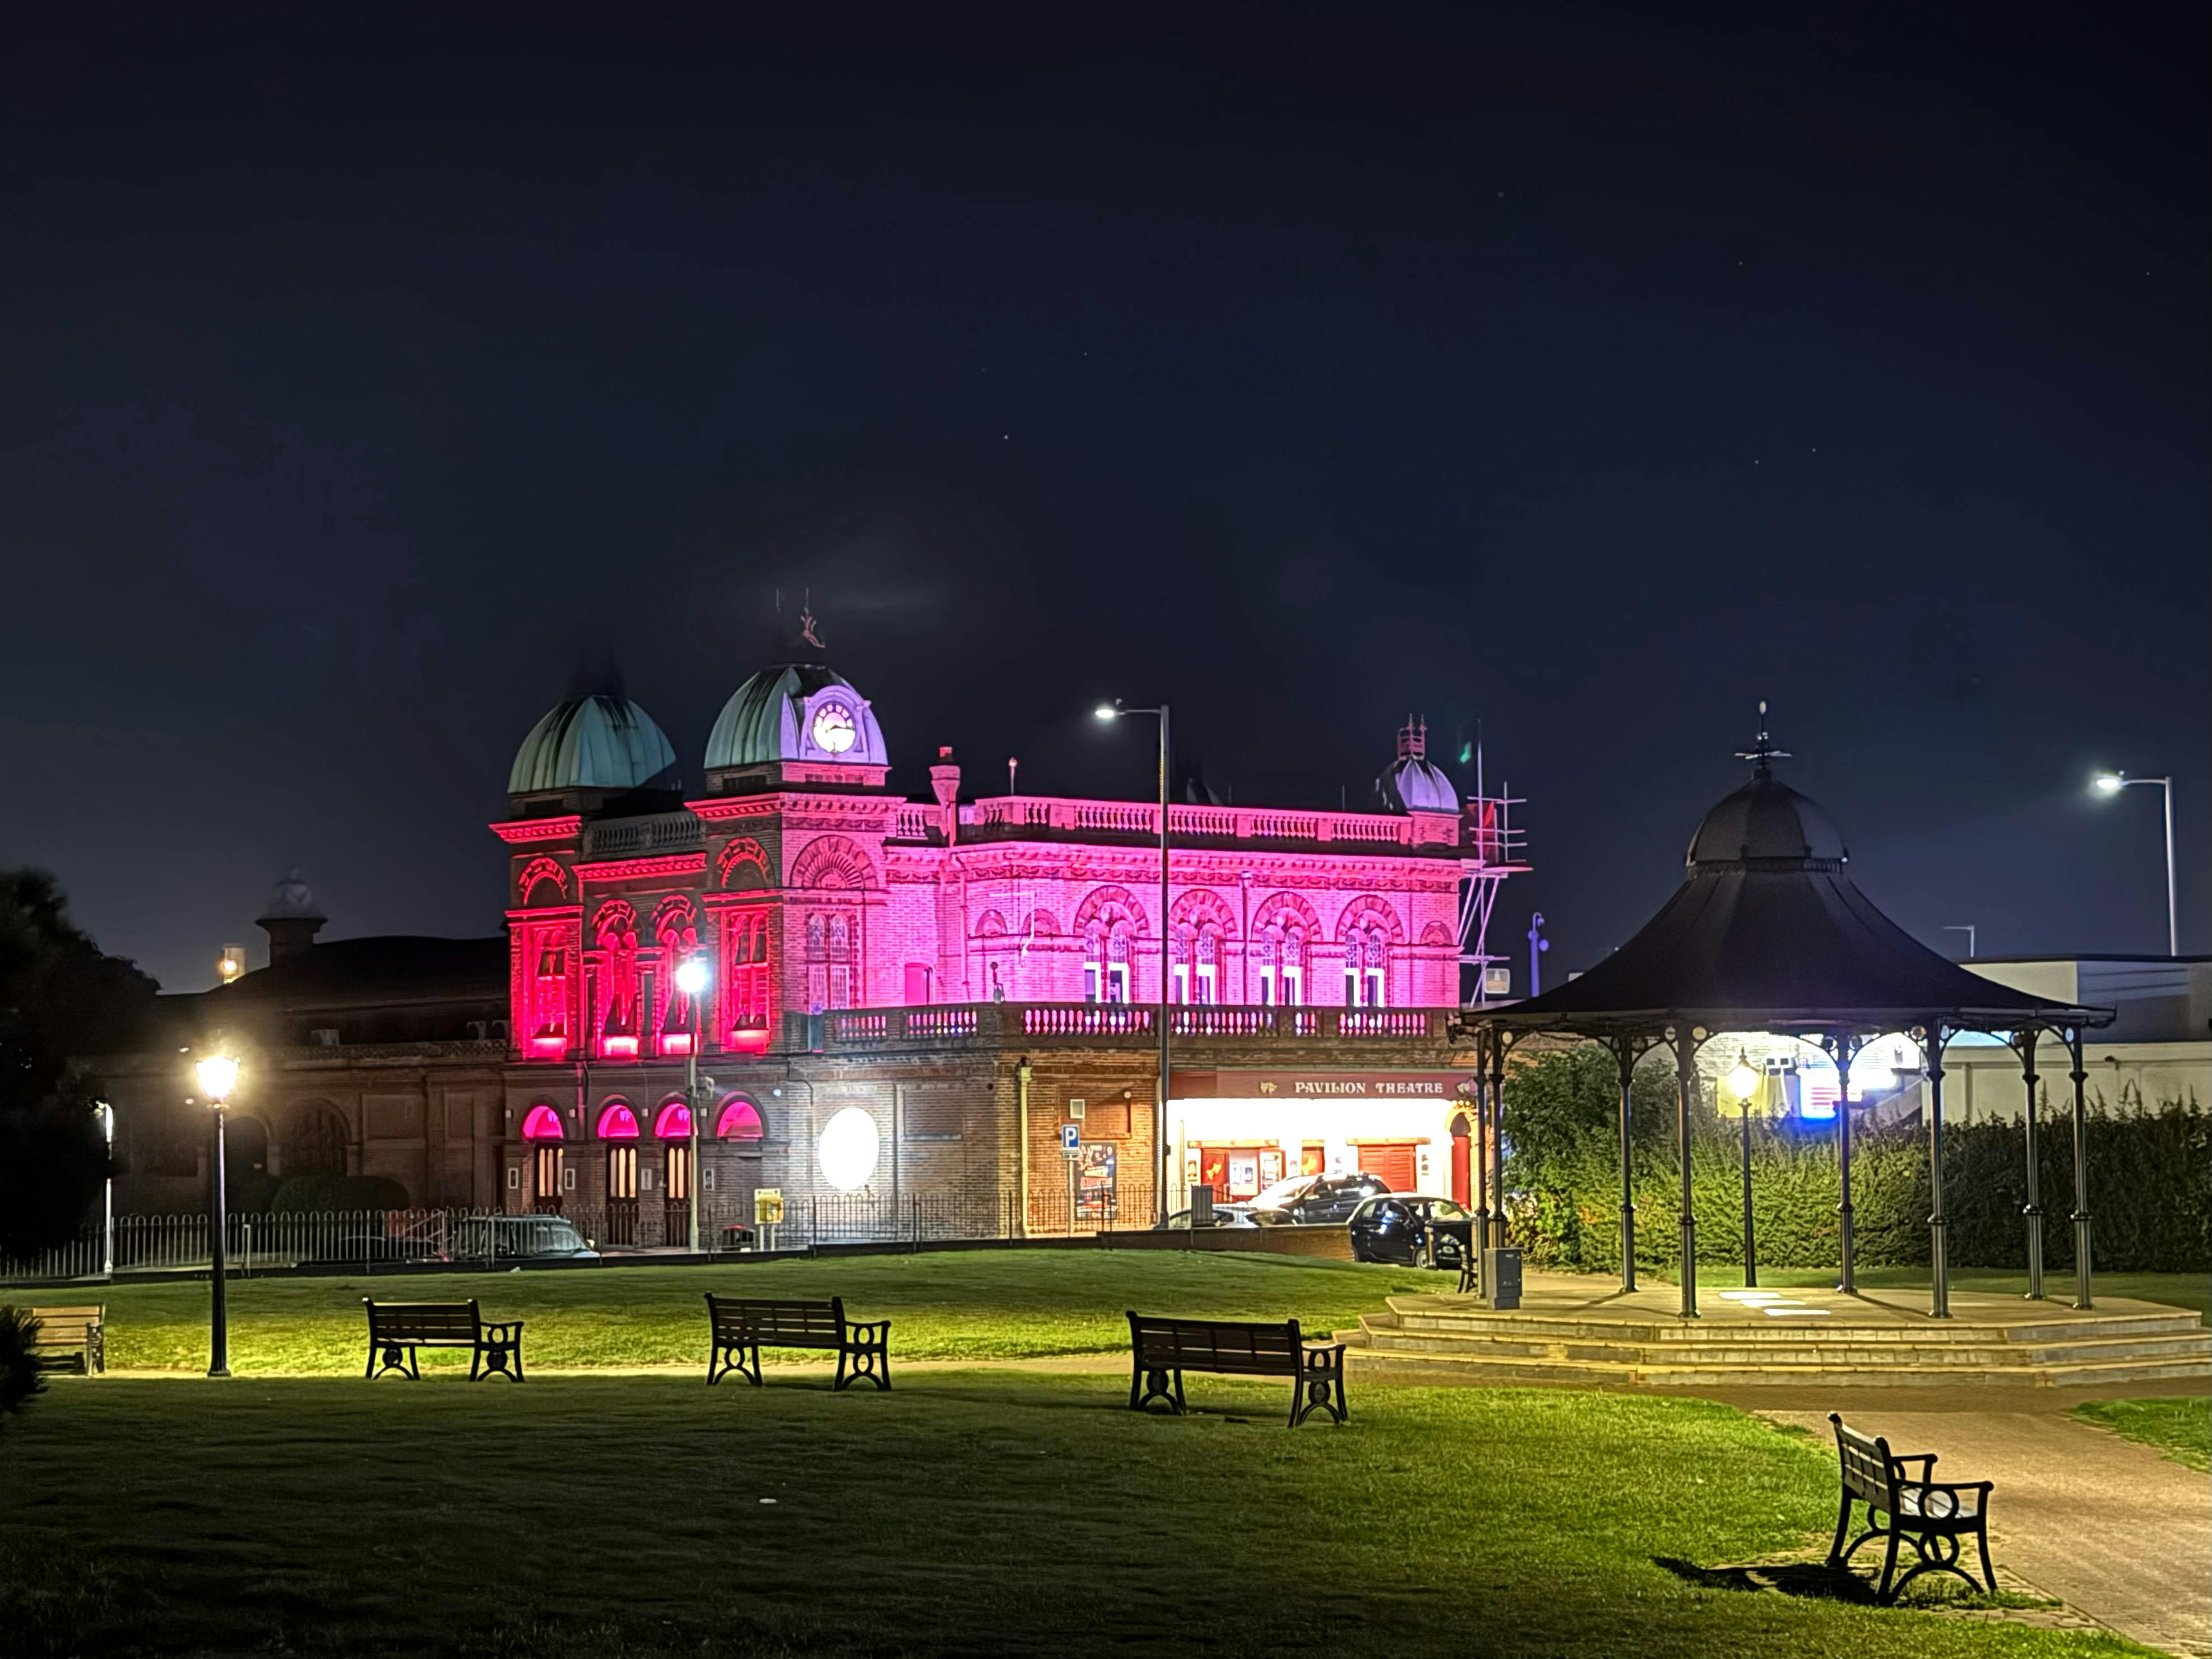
{"x":1115,"y":711}
{"x":1743,"y":1083}
{"x":218,"y":1076}
{"x":2110,"y":783}
{"x":692,"y":976}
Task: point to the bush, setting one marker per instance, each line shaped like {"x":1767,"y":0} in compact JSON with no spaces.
{"x":2149,"y":1172}
{"x":337,"y":1193}
{"x":19,"y":1368}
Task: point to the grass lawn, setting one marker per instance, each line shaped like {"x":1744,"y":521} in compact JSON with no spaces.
{"x":2182,"y":1428}
{"x":970,"y":1512}
{"x":993,"y":1305}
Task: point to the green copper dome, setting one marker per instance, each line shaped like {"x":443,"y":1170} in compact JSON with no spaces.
{"x":594,"y":743}
{"x":796,"y":712}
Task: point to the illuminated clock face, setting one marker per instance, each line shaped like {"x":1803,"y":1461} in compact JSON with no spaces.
{"x":833,"y":728}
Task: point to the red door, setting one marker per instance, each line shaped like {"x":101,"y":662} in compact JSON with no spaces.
{"x":1390,"y":1161}
{"x":1462,"y":1182}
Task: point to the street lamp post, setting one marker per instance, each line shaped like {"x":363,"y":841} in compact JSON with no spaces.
{"x":1743,"y":1083}
{"x":691,"y":979}
{"x":1113,"y":711}
{"x":107,"y":1192}
{"x":218,"y":1076}
{"x":2110,"y":783}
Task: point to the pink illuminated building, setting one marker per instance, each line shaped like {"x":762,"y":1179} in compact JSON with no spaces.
{"x":814,"y":888}
{"x":911,"y":1007}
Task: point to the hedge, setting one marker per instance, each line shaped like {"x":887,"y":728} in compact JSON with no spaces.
{"x":2150,"y":1182}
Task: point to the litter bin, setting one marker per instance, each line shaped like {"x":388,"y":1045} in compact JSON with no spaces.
{"x":1501,"y":1278}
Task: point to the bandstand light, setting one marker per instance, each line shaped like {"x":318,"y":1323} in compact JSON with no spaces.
{"x":1742,"y":1081}
{"x":218,"y":1076}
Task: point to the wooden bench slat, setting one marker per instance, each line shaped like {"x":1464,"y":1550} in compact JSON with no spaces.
{"x":78,"y":1330}
{"x":740,"y":1326}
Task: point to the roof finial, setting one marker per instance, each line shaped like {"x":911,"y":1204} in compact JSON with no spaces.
{"x":807,"y":621}
{"x":1764,"y":751}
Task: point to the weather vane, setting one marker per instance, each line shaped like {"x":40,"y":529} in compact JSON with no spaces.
{"x":806,"y":623}
{"x":1764,"y":751}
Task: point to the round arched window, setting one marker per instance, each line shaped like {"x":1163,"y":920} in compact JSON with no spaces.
{"x":541,"y":1123}
{"x":738,"y":1120}
{"x":672,"y":1121}
{"x":617,"y":1121}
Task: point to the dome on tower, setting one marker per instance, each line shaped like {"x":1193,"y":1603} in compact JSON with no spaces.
{"x":594,"y":743}
{"x":1412,"y":784}
{"x":796,"y":712}
{"x":1766,"y":825}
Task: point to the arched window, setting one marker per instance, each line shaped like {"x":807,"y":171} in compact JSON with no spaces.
{"x":748,"y":993}
{"x":738,"y":1120}
{"x":672,"y":1121}
{"x":831,"y":957}
{"x":316,"y":1144}
{"x":672,"y":1126}
{"x":541,"y":1122}
{"x":617,"y":1121}
{"x":1366,"y":954}
{"x":618,"y":976}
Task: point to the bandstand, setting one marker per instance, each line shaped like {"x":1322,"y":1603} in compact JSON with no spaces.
{"x":1768,"y":933}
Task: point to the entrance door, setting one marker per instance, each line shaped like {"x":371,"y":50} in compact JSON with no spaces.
{"x":1390,"y":1161}
{"x":546,"y":1188}
{"x":676,"y":1194}
{"x":622,"y":1193}
{"x":1463,"y":1179}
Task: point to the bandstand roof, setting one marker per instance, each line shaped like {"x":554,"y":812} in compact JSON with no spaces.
{"x":1767,"y":932}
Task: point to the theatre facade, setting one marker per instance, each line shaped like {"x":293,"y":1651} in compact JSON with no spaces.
{"x":939,"y":1014}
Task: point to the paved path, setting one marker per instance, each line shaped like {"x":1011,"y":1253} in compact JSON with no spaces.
{"x":2106,"y":1526}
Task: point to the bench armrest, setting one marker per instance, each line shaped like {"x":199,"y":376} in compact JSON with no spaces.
{"x":1937,"y":1500}
{"x":1926,"y":1459}
{"x":506,"y":1330}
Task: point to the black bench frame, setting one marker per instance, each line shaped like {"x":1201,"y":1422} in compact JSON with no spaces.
{"x":740,"y":1326}
{"x":397,"y":1329}
{"x":1161,"y":1350}
{"x":1934,"y":1517}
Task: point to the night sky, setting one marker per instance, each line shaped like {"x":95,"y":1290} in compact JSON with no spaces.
{"x":374,"y":377}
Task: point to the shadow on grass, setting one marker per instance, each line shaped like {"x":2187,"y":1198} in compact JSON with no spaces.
{"x":1817,"y":1581}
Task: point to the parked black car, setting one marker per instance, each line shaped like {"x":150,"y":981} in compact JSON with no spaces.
{"x":1314,"y":1201}
{"x":1415,"y":1231}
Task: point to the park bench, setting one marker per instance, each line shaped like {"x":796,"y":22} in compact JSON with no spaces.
{"x":1163,"y":1349}
{"x":742,"y":1325}
{"x":1931,"y":1516}
{"x":72,"y":1337}
{"x":397,"y":1329}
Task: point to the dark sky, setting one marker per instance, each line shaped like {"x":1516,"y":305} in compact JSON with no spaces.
{"x":371,"y":375}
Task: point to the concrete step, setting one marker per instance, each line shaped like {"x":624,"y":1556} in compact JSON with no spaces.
{"x":1719,"y":1348}
{"x":1780,"y":1331}
{"x":1478,"y":1367}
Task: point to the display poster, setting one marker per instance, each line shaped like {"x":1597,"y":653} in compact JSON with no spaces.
{"x":1095,"y":1180}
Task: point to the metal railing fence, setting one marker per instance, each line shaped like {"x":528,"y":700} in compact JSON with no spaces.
{"x":283,"y":1240}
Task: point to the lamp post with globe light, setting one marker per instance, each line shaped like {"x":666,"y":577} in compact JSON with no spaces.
{"x":218,"y":1076}
{"x":1743,"y":1083}
{"x":692,"y":977}
{"x":2110,"y":783}
{"x":1115,"y":711}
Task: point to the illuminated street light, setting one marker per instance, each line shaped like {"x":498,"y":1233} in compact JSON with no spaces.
{"x":2110,"y":783}
{"x":692,"y":977}
{"x":1743,"y":1084}
{"x":1115,"y":711}
{"x":218,"y":1077}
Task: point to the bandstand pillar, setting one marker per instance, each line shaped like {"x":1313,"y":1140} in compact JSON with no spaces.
{"x":2032,"y":1211}
{"x":1685,"y":1084}
{"x":2082,"y":1240}
{"x":1624,"y":1051}
{"x":1939,"y":1293}
{"x":1481,"y":1194}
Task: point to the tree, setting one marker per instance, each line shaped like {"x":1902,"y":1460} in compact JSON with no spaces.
{"x":61,"y":1000}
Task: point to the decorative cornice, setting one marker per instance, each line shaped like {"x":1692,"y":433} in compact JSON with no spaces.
{"x":667,"y":863}
{"x":519,"y":832}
